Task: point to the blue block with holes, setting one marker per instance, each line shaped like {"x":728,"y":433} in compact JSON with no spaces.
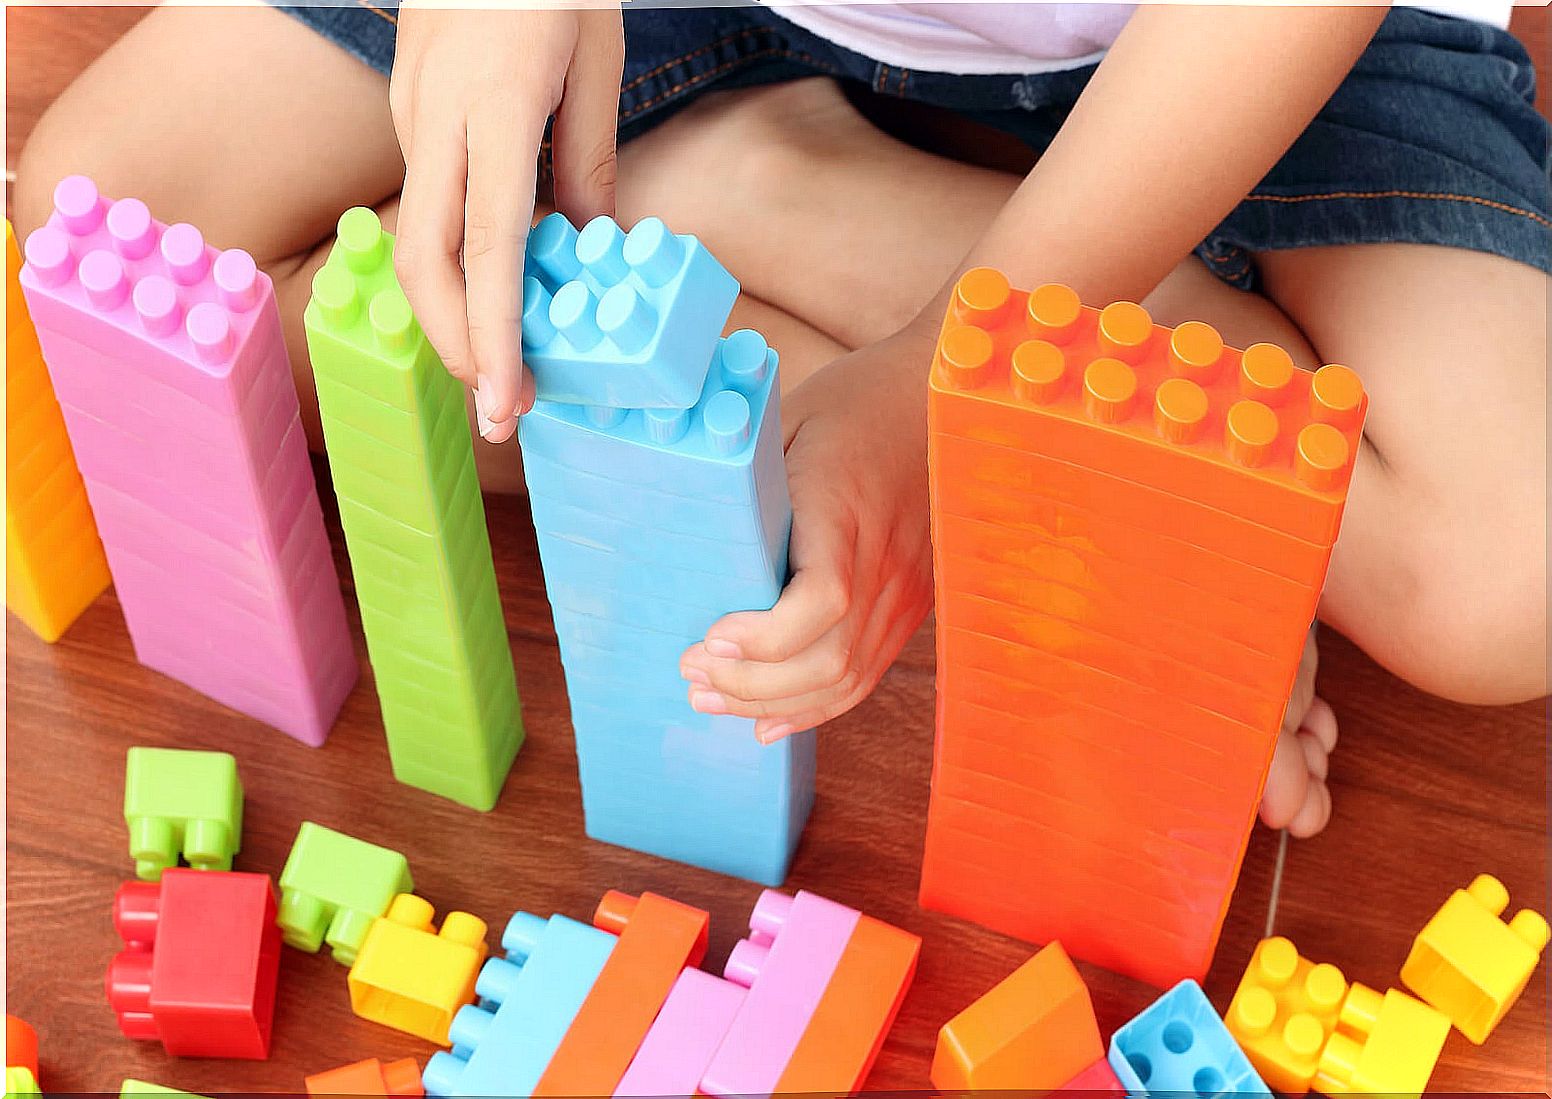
{"x":1179,"y":1045}
{"x":621,"y":320}
{"x":653,"y":524}
{"x":528,"y":1001}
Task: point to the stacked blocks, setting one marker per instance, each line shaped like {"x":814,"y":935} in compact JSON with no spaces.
{"x":1471,"y":965}
{"x":528,"y":1001}
{"x":333,"y":887}
{"x":1131,"y":527}
{"x":1284,"y":1012}
{"x":652,"y":524}
{"x":1035,"y":1031}
{"x":658,"y":938}
{"x":181,"y":803}
{"x":396,"y":427}
{"x":21,"y":1058}
{"x":369,"y":1077}
{"x":684,"y":1038}
{"x":200,"y":962}
{"x":54,"y":564}
{"x":1383,"y":1044}
{"x":621,"y":320}
{"x":825,"y":983}
{"x":1178,"y":1044}
{"x":168,"y":361}
{"x":412,"y":977}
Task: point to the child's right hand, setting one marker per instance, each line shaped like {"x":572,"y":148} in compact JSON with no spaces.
{"x":471,"y":92}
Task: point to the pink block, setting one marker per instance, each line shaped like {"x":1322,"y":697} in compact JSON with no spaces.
{"x":1097,"y":1077}
{"x":169,"y":363}
{"x":684,"y":1037}
{"x":787,"y":961}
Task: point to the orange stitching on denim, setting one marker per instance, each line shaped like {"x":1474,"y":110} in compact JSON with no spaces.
{"x":900,"y":88}
{"x":879,"y":77}
{"x":375,"y":10}
{"x":1436,"y":197}
{"x":711,"y":74}
{"x":718,"y":44}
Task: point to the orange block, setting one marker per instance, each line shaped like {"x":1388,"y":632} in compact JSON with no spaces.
{"x":21,"y":1045}
{"x":1035,"y":1030}
{"x":369,"y":1077}
{"x":658,"y":939}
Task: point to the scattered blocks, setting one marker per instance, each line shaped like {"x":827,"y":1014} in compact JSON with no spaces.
{"x":181,"y":803}
{"x":412,"y":977}
{"x":1097,"y":1077}
{"x":334,"y":886}
{"x":170,"y":366}
{"x":1033,"y":1031}
{"x":54,"y":564}
{"x":1284,"y":1012}
{"x":396,"y":427}
{"x":1178,"y":1044}
{"x":21,"y":1046}
{"x":684,"y":1037}
{"x":1471,"y":965}
{"x":369,"y":1077}
{"x":621,"y":320}
{"x":201,"y":956}
{"x":1383,"y":1044}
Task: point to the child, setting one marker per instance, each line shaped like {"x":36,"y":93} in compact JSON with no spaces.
{"x":1272,"y":171}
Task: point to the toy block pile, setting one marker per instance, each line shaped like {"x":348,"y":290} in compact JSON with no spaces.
{"x":1131,"y":527}
{"x":655,"y":469}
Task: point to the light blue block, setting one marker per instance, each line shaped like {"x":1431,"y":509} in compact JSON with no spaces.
{"x":622,"y":320}
{"x":528,"y":1001}
{"x":1179,"y":1045}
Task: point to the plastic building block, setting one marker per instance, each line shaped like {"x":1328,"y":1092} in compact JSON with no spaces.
{"x":684,"y":1037}
{"x":334,"y":886}
{"x":184,"y":803}
{"x":1383,"y":1044}
{"x":21,"y":1045}
{"x":652,"y":525}
{"x":527,"y":1003}
{"x":1284,"y":1012}
{"x":412,"y":977}
{"x":1034,"y":1030}
{"x":621,"y":320}
{"x":19,"y":1081}
{"x":54,"y":564}
{"x":169,"y":363}
{"x":657,"y":939}
{"x":369,"y":1077}
{"x":1131,"y":526}
{"x":1178,"y":1044}
{"x":202,"y":952}
{"x":396,"y":429}
{"x":130,"y":1088}
{"x":1098,"y":1077}
{"x":1471,"y":965}
{"x":825,"y":983}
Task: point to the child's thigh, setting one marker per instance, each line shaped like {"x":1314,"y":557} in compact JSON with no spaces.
{"x":238,"y":119}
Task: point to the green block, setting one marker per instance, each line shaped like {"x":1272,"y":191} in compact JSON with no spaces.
{"x":178,"y":802}
{"x":19,"y":1082}
{"x":396,"y":430}
{"x":131,"y":1088}
{"x":334,"y":886}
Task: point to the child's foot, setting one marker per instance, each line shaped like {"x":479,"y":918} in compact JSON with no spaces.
{"x":1296,"y":795}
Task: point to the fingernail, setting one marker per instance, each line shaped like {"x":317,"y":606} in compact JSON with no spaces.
{"x":499,"y":432}
{"x":485,"y":397}
{"x":695,"y":675}
{"x":707,"y":702}
{"x":723,"y":649}
{"x":774,"y":733}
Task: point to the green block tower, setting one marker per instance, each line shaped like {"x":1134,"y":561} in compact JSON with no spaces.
{"x":178,"y":802}
{"x":396,"y":429}
{"x":334,"y":886}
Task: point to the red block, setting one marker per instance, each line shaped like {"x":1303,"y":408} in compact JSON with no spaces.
{"x":1097,"y":1077}
{"x":202,"y":952}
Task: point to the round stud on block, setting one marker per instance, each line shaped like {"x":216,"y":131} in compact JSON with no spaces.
{"x":965,"y":353}
{"x":1265,"y":372}
{"x":1195,"y":350}
{"x":1253,"y":1012}
{"x":614,"y":912}
{"x":360,"y":237}
{"x":128,"y":984}
{"x":183,"y":251}
{"x":666,"y":426}
{"x":1109,"y":387}
{"x":102,"y":277}
{"x":303,"y":921}
{"x":1320,"y":455}
{"x":980,"y":297}
{"x":653,"y":252}
{"x":605,"y":416}
{"x":1125,"y":328}
{"x":625,"y":318}
{"x":1179,"y":410}
{"x":392,"y":321}
{"x":1276,"y":961}
{"x":1336,"y":396}
{"x":746,"y":360}
{"x":136,"y":910}
{"x":1052,"y":312}
{"x":770,"y":913}
{"x":574,"y":311}
{"x":522,"y":936}
{"x":334,"y":293}
{"x":1325,"y":986}
{"x":1303,"y":1035}
{"x":1039,"y":371}
{"x":206,"y":844}
{"x":537,"y":329}
{"x":1361,"y":1008}
{"x":601,"y":249}
{"x":1489,"y":892}
{"x":745,"y":961}
{"x":237,"y":280}
{"x":210,"y":331}
{"x":1249,"y":431}
{"x":497,"y":978}
{"x":48,"y":256}
{"x":470,"y":1023}
{"x":78,"y":205}
{"x":727,"y":422}
{"x":552,"y":245}
{"x":132,"y":228}
{"x":411,"y":911}
{"x":461,"y":927}
{"x":1531,"y":929}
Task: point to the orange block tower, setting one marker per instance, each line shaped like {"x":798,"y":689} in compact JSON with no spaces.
{"x":54,"y":564}
{"x":1131,"y":527}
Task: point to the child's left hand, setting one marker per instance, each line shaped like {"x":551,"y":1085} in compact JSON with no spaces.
{"x":861,"y":555}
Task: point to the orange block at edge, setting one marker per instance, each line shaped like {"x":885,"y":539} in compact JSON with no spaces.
{"x":369,"y":1077}
{"x":1035,"y":1030}
{"x":21,"y":1045}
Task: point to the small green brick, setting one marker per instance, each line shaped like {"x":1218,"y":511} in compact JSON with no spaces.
{"x":334,"y":886}
{"x":129,"y":1089}
{"x":179,"y":802}
{"x":395,"y":426}
{"x":19,"y":1082}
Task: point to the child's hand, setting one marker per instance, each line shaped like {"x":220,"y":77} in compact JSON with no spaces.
{"x":861,"y":555}
{"x":471,"y":93}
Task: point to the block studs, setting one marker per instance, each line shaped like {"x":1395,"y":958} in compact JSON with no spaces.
{"x":553,"y":249}
{"x":237,"y":280}
{"x":601,"y":249}
{"x":1336,"y":396}
{"x":1125,"y":329}
{"x":1179,"y":410}
{"x":1249,"y":431}
{"x":574,"y":311}
{"x":1109,"y":387}
{"x":102,"y":277}
{"x":653,"y":252}
{"x":183,"y":250}
{"x":78,"y":205}
{"x":965,"y":353}
{"x":132,"y":228}
{"x":1195,"y":350}
{"x":1039,"y":371}
{"x":1053,"y":312}
{"x":334,"y":293}
{"x":211,"y":332}
{"x":48,"y":256}
{"x":626,"y":318}
{"x":360,"y":237}
{"x":156,"y":303}
{"x":392,"y":320}
{"x":666,"y":426}
{"x":1264,"y":373}
{"x":727,"y":421}
{"x":745,"y":360}
{"x":1320,"y":455}
{"x":980,"y":297}
{"x":537,"y":329}
{"x":521,"y":936}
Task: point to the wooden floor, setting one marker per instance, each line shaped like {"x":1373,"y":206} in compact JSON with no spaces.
{"x":1427,"y":795}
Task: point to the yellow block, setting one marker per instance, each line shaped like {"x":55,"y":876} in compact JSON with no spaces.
{"x":1383,"y":1044}
{"x":1285,"y":1009}
{"x":54,"y":565}
{"x":413,"y":978}
{"x":1469,"y":963}
{"x":19,"y":1083}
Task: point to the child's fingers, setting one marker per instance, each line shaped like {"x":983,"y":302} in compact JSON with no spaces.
{"x":748,"y":685}
{"x":587,"y":120}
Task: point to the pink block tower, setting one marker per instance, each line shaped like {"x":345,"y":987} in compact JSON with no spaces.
{"x":168,"y":361}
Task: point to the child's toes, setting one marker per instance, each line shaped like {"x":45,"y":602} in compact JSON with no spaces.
{"x":1320,"y":721}
{"x":1287,"y":783}
{"x":1314,"y":814}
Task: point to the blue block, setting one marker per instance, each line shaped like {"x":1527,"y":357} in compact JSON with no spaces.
{"x":621,"y":320}
{"x":1180,"y":1045}
{"x":528,"y":1001}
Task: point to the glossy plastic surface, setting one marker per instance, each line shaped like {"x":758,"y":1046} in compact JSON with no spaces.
{"x":334,"y":886}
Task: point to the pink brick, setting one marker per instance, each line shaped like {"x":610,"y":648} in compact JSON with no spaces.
{"x":168,"y":360}
{"x":1097,"y":1077}
{"x":684,"y":1037}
